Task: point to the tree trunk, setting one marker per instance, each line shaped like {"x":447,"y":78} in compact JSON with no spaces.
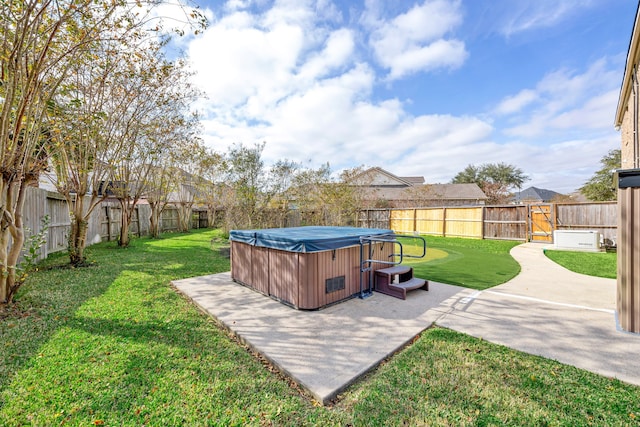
{"x":4,"y":244}
{"x":127,"y":210}
{"x":184,"y":217}
{"x":11,"y":233}
{"x":77,"y":241}
{"x":154,"y":220}
{"x":211,"y":217}
{"x":78,"y":232}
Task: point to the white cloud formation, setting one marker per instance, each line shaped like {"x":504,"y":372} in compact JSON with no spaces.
{"x":527,"y":15}
{"x":286,"y":77}
{"x":515,"y":103}
{"x":236,"y":59}
{"x":565,"y":100}
{"x":415,"y":41}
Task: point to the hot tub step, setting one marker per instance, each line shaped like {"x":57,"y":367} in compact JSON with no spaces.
{"x":396,"y":269}
{"x":411,"y":284}
{"x":397,"y":280}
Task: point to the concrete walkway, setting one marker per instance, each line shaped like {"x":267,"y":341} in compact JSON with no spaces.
{"x":324,"y":351}
{"x":552,"y":312}
{"x":546,"y":310}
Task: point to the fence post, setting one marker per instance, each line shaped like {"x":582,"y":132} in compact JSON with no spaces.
{"x":107,"y":211}
{"x":482,"y":216}
{"x":415,"y":220}
{"x":137,"y":212}
{"x":444,"y":222}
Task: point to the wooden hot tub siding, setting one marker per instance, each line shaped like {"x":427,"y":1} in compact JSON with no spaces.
{"x":299,"y":279}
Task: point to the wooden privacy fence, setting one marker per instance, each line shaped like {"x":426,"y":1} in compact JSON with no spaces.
{"x":104,"y":222}
{"x":446,"y":221}
{"x":535,"y":222}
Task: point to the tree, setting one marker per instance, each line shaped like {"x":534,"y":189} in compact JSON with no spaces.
{"x":247,"y":176}
{"x":308,"y":194}
{"x":187,"y":168}
{"x":161,"y":184}
{"x":155,"y":119}
{"x":40,"y":41}
{"x":600,"y":186}
{"x":325,"y":200}
{"x":212,"y":192}
{"x":257,"y":196}
{"x":495,"y":179}
{"x":42,"y":44}
{"x":84,"y":129}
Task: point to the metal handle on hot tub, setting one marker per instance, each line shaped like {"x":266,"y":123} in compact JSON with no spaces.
{"x":408,"y":236}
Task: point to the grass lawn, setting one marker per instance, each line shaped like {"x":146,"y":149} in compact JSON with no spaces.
{"x":600,"y":264}
{"x":114,"y":344}
{"x":472,"y":263}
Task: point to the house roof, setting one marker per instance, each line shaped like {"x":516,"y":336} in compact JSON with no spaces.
{"x":414,"y":180}
{"x":378,"y":177}
{"x":429,"y":192}
{"x":534,"y":193}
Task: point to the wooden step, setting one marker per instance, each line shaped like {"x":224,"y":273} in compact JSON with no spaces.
{"x":396,"y":269}
{"x":409,"y":285}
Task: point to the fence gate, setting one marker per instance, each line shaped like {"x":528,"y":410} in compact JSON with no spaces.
{"x":541,"y":222}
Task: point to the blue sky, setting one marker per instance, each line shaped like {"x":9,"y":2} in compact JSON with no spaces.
{"x":417,"y":87}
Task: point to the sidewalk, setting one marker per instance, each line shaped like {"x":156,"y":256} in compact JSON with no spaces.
{"x":550,"y":311}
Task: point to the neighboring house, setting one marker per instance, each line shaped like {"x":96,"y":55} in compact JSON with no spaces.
{"x":381,"y":188}
{"x":534,"y":195}
{"x":628,"y":120}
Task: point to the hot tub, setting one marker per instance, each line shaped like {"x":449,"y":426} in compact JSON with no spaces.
{"x":306,"y":267}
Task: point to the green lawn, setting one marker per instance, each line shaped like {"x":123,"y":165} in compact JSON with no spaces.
{"x":472,"y":263}
{"x":600,"y":264}
{"x":114,"y":344}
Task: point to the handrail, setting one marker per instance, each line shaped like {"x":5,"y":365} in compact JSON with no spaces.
{"x":390,"y":238}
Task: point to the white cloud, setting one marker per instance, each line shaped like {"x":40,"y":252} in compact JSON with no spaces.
{"x":564,"y":100}
{"x":287,"y":77}
{"x":515,"y":103}
{"x":527,"y":15}
{"x":336,"y":53}
{"x":595,"y":113}
{"x":415,"y":41}
{"x":235,"y":59}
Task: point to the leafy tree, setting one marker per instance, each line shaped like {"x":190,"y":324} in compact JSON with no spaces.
{"x":310,"y":195}
{"x":246,"y":176}
{"x":188,"y":173}
{"x":160,"y":185}
{"x":155,"y":120}
{"x":171,"y":179}
{"x":470,"y":174}
{"x":601,"y":187}
{"x":212,"y":190}
{"x":43,"y":47}
{"x":40,"y":42}
{"x":257,"y":190}
{"x":495,"y":179}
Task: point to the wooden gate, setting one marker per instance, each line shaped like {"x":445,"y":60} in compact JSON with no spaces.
{"x":541,"y":222}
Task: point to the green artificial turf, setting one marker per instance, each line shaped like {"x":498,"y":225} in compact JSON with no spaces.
{"x":600,"y":264}
{"x":113,"y":344}
{"x":472,"y":263}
